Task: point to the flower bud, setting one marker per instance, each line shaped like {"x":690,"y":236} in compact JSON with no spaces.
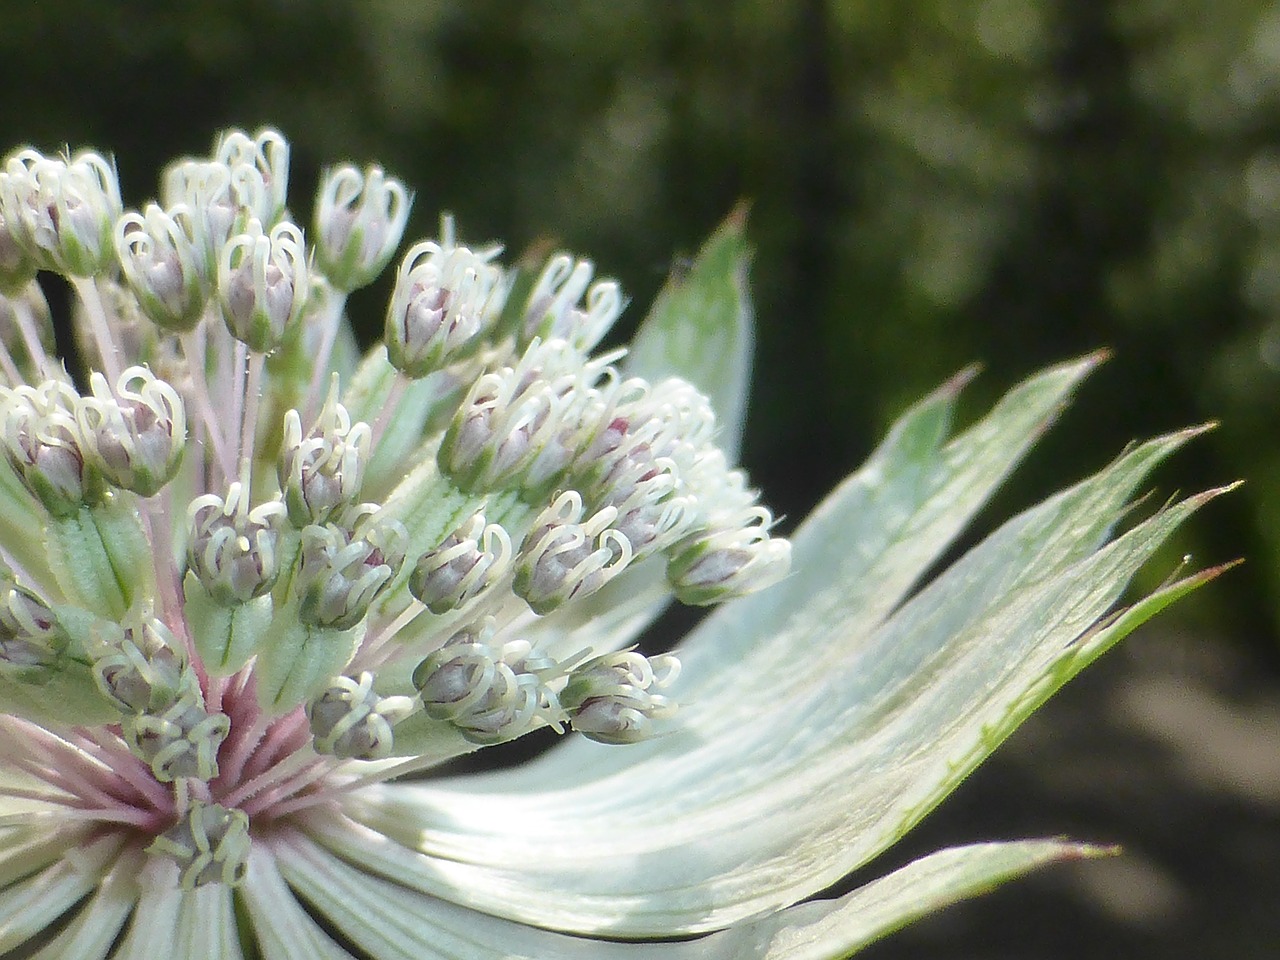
{"x":349,"y":720}
{"x":322,"y":472}
{"x":729,"y":561}
{"x":553,"y":311}
{"x":210,"y":844}
{"x":491,"y":695}
{"x":610,"y":699}
{"x":523,"y":426}
{"x":232,"y":550}
{"x":259,"y":168}
{"x":445,"y":298}
{"x":343,"y":568}
{"x":468,"y":561}
{"x":138,"y":666}
{"x":31,"y":639}
{"x":136,"y":437}
{"x":63,"y":212}
{"x":262,"y":283}
{"x":564,"y":556}
{"x":163,"y":265}
{"x":203,"y":188}
{"x":359,"y":222}
{"x":43,"y":444}
{"x":180,"y":741}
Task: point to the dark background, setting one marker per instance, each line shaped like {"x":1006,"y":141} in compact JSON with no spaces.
{"x":933,"y":182}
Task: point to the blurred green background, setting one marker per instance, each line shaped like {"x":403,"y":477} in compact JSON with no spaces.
{"x":933,"y":182}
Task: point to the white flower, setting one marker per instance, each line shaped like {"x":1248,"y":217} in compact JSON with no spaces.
{"x":242,"y":600}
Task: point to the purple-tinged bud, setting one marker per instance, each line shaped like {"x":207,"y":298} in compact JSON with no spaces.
{"x":263,"y":283}
{"x":446,"y":297}
{"x":31,"y":639}
{"x":210,"y":844}
{"x":136,"y":437}
{"x":232,"y":550}
{"x":180,"y":741}
{"x":344,"y":567}
{"x":490,"y":694}
{"x":553,"y":310}
{"x":164,"y":266}
{"x":731,"y":558}
{"x":204,"y":189}
{"x":469,"y":560}
{"x":565,"y":556}
{"x":350,"y":720}
{"x":139,"y":667}
{"x":610,"y":699}
{"x":43,"y":443}
{"x":259,"y":168}
{"x":322,"y":472}
{"x":63,"y":212}
{"x":360,"y":219}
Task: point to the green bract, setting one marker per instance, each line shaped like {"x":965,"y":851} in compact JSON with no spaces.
{"x":250,"y":583}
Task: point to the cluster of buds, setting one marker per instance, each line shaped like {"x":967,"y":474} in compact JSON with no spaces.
{"x":349,"y":559}
{"x":139,"y":668}
{"x":490,"y":690}
{"x":65,"y":447}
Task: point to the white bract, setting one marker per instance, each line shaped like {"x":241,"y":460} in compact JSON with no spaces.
{"x":251,"y":582}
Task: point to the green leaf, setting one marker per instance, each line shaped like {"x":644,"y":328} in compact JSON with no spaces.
{"x":819,"y":720}
{"x":395,"y":921}
{"x":699,"y":328}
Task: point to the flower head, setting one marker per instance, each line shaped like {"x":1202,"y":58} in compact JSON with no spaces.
{"x":249,"y":586}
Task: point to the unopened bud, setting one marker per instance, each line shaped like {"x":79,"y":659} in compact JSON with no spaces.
{"x":469,"y":560}
{"x":350,"y":720}
{"x":322,"y":472}
{"x":181,"y":741}
{"x":360,"y":219}
{"x":210,"y":844}
{"x":445,"y":298}
{"x":135,"y":437}
{"x":232,"y":550}
{"x":164,"y":266}
{"x":259,"y":167}
{"x":263,"y":283}
{"x":565,"y":555}
{"x":344,"y":567}
{"x":31,"y":639}
{"x":139,"y":667}
{"x":491,"y":695}
{"x":731,"y":561}
{"x":610,"y":699}
{"x":63,"y":212}
{"x":43,"y":443}
{"x":553,"y":311}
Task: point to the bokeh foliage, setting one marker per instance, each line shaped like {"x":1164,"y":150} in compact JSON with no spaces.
{"x":933,"y":182}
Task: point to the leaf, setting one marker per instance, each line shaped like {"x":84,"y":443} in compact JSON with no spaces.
{"x":699,"y":329}
{"x":818,"y":721}
{"x":393,"y":921}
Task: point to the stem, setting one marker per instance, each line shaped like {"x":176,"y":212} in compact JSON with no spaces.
{"x":253,"y":394}
{"x":330,"y":323}
{"x":193,"y":348}
{"x":26,"y":321}
{"x":87,"y":290}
